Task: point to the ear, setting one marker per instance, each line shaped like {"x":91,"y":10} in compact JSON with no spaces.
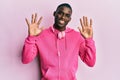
{"x":54,"y":13}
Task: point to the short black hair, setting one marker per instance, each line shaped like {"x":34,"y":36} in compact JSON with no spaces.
{"x":66,"y":5}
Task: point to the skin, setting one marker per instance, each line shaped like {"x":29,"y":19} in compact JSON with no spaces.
{"x":62,"y":17}
{"x":33,"y":27}
{"x":86,"y":30}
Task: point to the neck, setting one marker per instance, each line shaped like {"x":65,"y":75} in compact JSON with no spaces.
{"x":59,"y":28}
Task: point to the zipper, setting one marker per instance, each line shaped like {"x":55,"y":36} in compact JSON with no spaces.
{"x":58,"y":65}
{"x":58,"y":53}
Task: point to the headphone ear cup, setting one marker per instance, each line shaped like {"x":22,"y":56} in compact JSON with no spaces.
{"x":61,"y":34}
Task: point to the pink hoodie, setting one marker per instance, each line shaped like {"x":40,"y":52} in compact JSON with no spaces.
{"x":59,"y":56}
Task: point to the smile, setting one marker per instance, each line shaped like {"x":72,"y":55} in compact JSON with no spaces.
{"x":61,"y":21}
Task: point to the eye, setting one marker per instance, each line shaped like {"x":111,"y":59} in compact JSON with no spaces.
{"x":60,"y":12}
{"x":68,"y":15}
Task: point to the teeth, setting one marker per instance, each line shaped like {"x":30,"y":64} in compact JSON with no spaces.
{"x":61,"y":21}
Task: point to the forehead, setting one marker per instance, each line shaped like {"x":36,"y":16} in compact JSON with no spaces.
{"x":64,"y":9}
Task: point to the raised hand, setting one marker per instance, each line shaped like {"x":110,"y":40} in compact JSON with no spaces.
{"x":33,"y":27}
{"x":86,"y":30}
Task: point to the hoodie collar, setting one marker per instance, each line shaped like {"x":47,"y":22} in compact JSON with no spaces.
{"x":55,"y":30}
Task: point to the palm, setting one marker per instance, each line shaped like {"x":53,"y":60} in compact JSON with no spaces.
{"x":86,"y":29}
{"x":33,"y":27}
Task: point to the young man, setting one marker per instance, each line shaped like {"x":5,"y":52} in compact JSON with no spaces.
{"x":59,"y":46}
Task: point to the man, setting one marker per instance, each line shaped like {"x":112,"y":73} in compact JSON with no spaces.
{"x":59,"y":46}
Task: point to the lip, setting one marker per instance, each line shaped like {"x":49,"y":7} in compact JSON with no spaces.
{"x":61,"y":21}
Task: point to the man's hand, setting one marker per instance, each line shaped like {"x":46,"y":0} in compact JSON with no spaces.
{"x":86,"y":30}
{"x":33,"y":27}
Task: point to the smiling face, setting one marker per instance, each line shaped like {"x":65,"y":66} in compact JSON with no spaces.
{"x":62,"y":16}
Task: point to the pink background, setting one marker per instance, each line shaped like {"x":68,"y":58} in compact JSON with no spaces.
{"x":13,"y":30}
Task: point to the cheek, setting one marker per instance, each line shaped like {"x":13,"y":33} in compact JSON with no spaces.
{"x":57,"y":17}
{"x":67,"y":20}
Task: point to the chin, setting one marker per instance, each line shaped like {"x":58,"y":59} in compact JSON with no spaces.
{"x":61,"y":25}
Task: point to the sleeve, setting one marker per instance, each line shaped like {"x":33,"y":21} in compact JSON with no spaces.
{"x":29,"y":49}
{"x":87,"y":52}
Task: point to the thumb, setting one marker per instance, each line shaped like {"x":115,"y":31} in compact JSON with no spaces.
{"x":42,"y":28}
{"x":80,"y":29}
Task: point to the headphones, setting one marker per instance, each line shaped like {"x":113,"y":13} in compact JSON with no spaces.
{"x":61,"y":34}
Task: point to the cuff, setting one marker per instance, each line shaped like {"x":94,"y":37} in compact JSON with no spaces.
{"x":31,"y":39}
{"x":89,"y":40}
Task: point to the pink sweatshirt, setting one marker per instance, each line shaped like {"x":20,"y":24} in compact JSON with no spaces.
{"x":59,"y":57}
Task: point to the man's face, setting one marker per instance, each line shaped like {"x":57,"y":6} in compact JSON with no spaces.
{"x":62,"y":17}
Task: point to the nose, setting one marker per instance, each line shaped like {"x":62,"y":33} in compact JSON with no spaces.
{"x":63,"y":16}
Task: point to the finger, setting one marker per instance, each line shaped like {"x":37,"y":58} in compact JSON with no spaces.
{"x":27,"y":22}
{"x":35,"y":17}
{"x":82,"y":24}
{"x":39,"y":21}
{"x":42,"y":28}
{"x":86,"y":20}
{"x":90,"y":22}
{"x":80,"y":29}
